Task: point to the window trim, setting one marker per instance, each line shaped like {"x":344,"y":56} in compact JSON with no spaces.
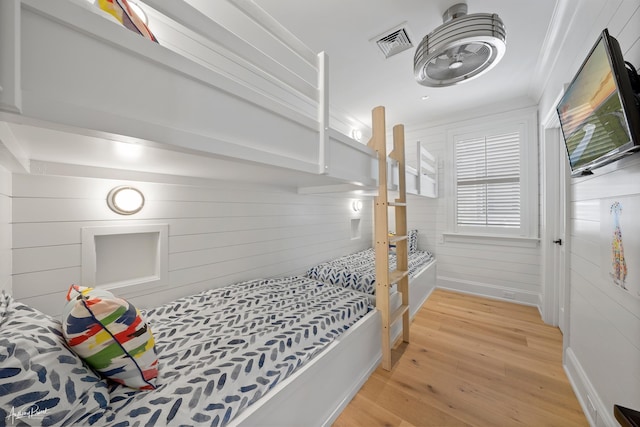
{"x":526,"y":123}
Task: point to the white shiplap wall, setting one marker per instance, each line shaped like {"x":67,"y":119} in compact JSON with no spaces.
{"x":487,"y":267}
{"x":422,"y":214}
{"x":604,"y":339}
{"x":5,"y":230}
{"x":219,"y":233}
{"x":603,"y":344}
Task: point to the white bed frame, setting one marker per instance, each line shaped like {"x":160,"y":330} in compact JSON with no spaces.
{"x":420,"y":287}
{"x":420,"y":181}
{"x":317,"y":393}
{"x":64,"y":66}
{"x":423,"y":181}
{"x":193,"y":92}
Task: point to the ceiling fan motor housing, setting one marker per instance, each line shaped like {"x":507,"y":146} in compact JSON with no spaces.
{"x":462,"y":48}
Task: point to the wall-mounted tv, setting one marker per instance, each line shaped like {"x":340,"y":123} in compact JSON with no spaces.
{"x":599,"y":113}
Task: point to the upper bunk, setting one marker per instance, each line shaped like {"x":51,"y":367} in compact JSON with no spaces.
{"x":421,"y":180}
{"x":238,"y":89}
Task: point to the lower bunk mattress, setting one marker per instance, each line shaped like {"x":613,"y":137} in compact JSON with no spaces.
{"x":219,"y":352}
{"x":357,"y":271}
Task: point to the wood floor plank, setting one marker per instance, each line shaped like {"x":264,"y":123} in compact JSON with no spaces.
{"x":471,"y":362}
{"x":365,"y":413}
{"x":424,"y":414}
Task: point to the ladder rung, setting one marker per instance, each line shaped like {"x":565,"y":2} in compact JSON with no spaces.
{"x":397,"y":314}
{"x":396,"y":275}
{"x":394,"y":239}
{"x":397,"y":204}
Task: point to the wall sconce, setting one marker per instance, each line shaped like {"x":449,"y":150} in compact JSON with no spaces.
{"x":356,"y":205}
{"x":125,"y":200}
{"x":356,"y":134}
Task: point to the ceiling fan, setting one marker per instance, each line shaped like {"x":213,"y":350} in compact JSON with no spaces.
{"x":461,"y":49}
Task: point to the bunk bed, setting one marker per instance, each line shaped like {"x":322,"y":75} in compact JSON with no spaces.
{"x":219,"y":353}
{"x":192,"y":92}
{"x":357,"y":271}
{"x":423,"y":180}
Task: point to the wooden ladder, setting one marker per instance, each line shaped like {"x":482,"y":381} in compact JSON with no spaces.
{"x":385,"y":279}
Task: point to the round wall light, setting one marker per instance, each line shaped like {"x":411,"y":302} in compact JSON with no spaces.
{"x":125,"y":200}
{"x":356,"y":205}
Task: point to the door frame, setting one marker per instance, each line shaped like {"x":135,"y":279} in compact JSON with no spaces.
{"x":554,"y":184}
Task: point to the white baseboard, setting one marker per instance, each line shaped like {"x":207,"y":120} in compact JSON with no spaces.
{"x":593,"y":407}
{"x":490,"y":291}
{"x":540,"y":305}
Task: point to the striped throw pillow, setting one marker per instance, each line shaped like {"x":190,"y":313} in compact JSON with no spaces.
{"x":109,"y":334}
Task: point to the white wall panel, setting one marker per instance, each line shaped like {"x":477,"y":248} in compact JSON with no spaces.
{"x":604,"y":324}
{"x":44,"y":258}
{"x":5,"y":230}
{"x":422,"y":214}
{"x":586,"y":230}
{"x":218,"y":234}
{"x":480,"y":268}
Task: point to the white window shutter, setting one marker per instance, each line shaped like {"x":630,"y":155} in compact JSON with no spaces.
{"x":488,"y":181}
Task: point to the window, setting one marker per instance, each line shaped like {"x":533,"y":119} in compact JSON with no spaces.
{"x":488,"y":181}
{"x":493,"y":185}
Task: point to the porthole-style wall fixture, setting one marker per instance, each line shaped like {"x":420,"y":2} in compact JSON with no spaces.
{"x":125,"y":200}
{"x":356,"y":205}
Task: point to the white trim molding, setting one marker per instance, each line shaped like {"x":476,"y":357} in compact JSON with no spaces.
{"x":492,"y":239}
{"x":592,"y":405}
{"x":488,"y":290}
{"x":525,"y":121}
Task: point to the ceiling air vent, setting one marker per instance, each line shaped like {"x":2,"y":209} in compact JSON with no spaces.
{"x":394,"y":41}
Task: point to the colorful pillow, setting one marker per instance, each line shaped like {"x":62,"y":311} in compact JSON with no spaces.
{"x":42,"y":382}
{"x":121,"y":10}
{"x":110,"y":335}
{"x":413,"y":240}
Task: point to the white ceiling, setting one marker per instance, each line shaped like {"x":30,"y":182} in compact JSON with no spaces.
{"x":360,"y":77}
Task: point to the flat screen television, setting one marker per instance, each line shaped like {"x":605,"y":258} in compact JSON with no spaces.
{"x":599,"y":113}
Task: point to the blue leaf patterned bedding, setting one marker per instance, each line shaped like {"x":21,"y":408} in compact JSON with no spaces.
{"x":219,"y":352}
{"x":357,"y":271}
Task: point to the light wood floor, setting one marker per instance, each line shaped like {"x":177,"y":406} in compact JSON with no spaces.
{"x":471,"y":362}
